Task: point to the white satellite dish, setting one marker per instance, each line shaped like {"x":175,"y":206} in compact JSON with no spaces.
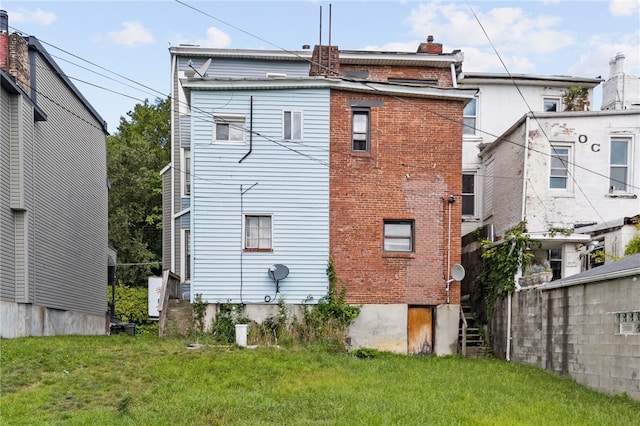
{"x":202,"y":70}
{"x":457,"y":272}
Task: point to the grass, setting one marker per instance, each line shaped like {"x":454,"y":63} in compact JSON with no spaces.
{"x":125,"y":380}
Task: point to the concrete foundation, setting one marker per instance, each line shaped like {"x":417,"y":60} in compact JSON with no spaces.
{"x":22,"y":320}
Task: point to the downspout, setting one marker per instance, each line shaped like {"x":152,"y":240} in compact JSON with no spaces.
{"x":454,"y":79}
{"x":250,"y":130}
{"x":508,"y":352}
{"x":173,"y":176}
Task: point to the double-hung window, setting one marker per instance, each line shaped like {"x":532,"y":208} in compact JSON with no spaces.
{"x":186,"y":171}
{"x":186,"y":250}
{"x":619,"y":164}
{"x":257,"y":233}
{"x":469,"y":118}
{"x":469,"y":194}
{"x":229,"y":129}
{"x":559,"y":169}
{"x":360,"y":128}
{"x":398,"y":236}
{"x":292,"y":125}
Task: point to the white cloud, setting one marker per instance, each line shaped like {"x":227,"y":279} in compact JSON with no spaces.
{"x":624,"y":7}
{"x":132,"y":34}
{"x":38,"y":16}
{"x":215,"y":38}
{"x":602,"y":48}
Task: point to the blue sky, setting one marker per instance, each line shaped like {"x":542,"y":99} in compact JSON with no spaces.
{"x":116,"y":52}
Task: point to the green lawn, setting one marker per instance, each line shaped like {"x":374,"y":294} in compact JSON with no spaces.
{"x":142,"y":380}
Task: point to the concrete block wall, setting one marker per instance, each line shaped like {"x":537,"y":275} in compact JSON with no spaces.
{"x":571,"y":330}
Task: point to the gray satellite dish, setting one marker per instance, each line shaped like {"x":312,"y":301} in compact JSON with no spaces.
{"x":202,"y":71}
{"x":457,"y":272}
{"x":277,"y":272}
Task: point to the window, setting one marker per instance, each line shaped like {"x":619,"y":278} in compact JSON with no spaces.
{"x":398,"y":235}
{"x":292,"y":126}
{"x":469,"y":118}
{"x":360,"y":130}
{"x":186,"y":249}
{"x":257,"y":233}
{"x":555,"y":261}
{"x":551,"y":104}
{"x":559,"y":167}
{"x":627,"y":322}
{"x":468,"y":194}
{"x":186,"y":168}
{"x":619,"y":164}
{"x":229,"y":129}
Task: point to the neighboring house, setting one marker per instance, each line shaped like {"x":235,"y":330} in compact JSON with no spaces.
{"x":586,"y":326}
{"x":609,"y":240}
{"x":295,"y":158}
{"x":502,"y":100}
{"x":53,"y":197}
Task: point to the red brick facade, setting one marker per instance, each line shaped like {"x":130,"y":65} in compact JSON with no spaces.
{"x":413,"y":166}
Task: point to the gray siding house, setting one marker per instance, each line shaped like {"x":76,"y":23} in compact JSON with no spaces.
{"x":53,"y":197}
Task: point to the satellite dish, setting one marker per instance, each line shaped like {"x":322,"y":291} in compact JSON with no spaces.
{"x":278,"y":272}
{"x":457,"y":272}
{"x":202,"y":71}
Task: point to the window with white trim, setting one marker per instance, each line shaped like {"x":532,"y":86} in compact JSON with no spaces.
{"x":619,"y":164}
{"x":257,"y":233}
{"x":469,"y":194}
{"x":560,"y":158}
{"x":398,"y":236}
{"x":469,"y":115}
{"x":229,"y":129}
{"x":292,"y":125}
{"x":360,"y":129}
{"x":551,"y":104}
{"x":186,"y":171}
{"x":186,"y":250}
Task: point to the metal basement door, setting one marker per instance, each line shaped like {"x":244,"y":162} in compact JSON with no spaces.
{"x":420,"y":330}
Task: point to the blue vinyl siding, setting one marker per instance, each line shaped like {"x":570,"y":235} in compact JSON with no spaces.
{"x":185,"y":219}
{"x":291,"y":184}
{"x":248,"y":68}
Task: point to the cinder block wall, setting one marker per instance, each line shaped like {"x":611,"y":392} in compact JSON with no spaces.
{"x":571,"y":330}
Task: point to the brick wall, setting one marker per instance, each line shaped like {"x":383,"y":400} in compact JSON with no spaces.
{"x":413,"y":166}
{"x":384,"y":72}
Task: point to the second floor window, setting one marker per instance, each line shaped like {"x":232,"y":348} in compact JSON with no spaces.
{"x":186,"y":169}
{"x":292,"y":125}
{"x":257,"y":233}
{"x":398,"y":236}
{"x":469,"y":194}
{"x":469,"y":118}
{"x":559,"y":170}
{"x":619,"y":164}
{"x":229,"y":129}
{"x":360,"y":130}
{"x":551,"y":104}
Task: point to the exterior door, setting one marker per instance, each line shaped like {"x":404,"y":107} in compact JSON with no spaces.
{"x":420,"y":330}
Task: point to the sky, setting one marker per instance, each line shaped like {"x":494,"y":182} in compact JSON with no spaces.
{"x":117,"y":52}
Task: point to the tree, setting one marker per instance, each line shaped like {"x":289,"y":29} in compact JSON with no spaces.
{"x":135,"y":155}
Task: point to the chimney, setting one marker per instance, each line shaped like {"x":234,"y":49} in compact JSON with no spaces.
{"x":325,"y":61}
{"x":430,"y":47}
{"x":619,"y":63}
{"x":4,"y":41}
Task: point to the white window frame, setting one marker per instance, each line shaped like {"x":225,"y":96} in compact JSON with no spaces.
{"x":185,"y":258}
{"x":245,"y":238}
{"x":294,"y":125}
{"x":185,"y":170}
{"x":361,"y":111}
{"x":556,"y":100}
{"x":474,"y":194}
{"x":628,"y":166}
{"x":553,"y":153}
{"x":236,"y":129}
{"x":470,"y":121}
{"x":394,"y":236}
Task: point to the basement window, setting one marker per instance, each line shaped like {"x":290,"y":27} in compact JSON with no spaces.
{"x":627,"y":322}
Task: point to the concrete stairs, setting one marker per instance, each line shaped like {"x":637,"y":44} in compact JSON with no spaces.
{"x":179,"y":318}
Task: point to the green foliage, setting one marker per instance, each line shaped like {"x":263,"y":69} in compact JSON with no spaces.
{"x":135,"y":155}
{"x":633,"y":246}
{"x":224,"y":324}
{"x":501,"y":263}
{"x":576,"y":98}
{"x":132,"y":304}
{"x":124,"y":404}
{"x":365,"y":353}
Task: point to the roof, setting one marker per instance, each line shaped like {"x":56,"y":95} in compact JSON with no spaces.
{"x":609,"y":225}
{"x":10,"y":86}
{"x":34,"y":44}
{"x":550,"y":80}
{"x":626,"y":267}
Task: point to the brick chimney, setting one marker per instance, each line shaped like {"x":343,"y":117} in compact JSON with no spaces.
{"x":430,"y":47}
{"x":4,"y":41}
{"x":325,"y":61}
